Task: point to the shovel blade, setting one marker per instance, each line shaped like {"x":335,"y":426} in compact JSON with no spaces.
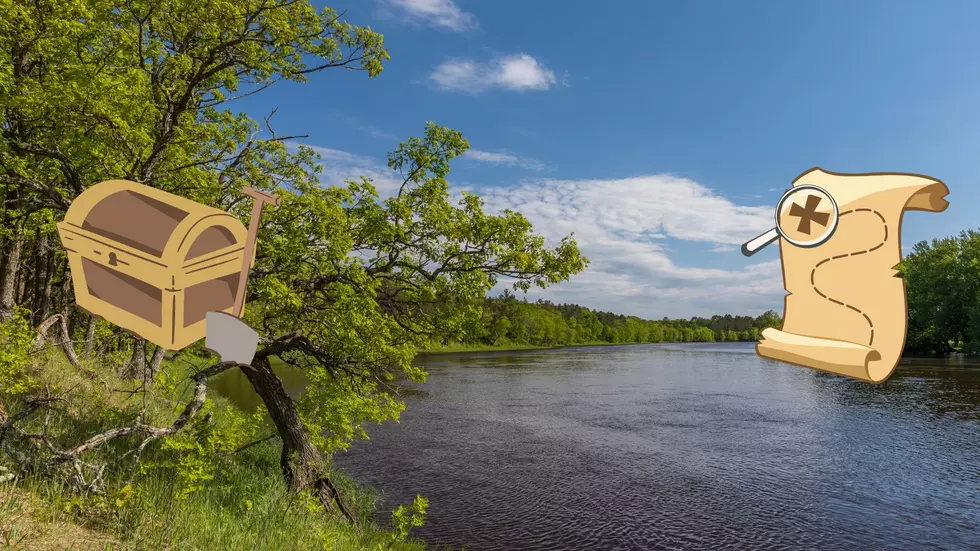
{"x":229,"y":337}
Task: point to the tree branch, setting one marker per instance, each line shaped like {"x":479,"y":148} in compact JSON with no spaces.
{"x":152,"y":433}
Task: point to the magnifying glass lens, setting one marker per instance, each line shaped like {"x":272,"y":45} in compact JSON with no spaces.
{"x":807,"y":216}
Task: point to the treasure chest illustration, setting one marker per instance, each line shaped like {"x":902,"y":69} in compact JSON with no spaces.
{"x":155,"y":263}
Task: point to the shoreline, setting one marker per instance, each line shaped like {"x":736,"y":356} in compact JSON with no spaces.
{"x":520,"y":348}
{"x":906,"y":356}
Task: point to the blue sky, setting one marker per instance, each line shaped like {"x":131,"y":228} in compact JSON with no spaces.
{"x":661,"y":133}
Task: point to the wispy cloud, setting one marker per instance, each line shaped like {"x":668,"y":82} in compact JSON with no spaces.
{"x":340,"y":166}
{"x":376,"y":132}
{"x":504,"y":158}
{"x":633,"y":207}
{"x":519,"y":72}
{"x":364,"y":127}
{"x":437,"y":13}
{"x":566,"y":80}
{"x":631,"y":229}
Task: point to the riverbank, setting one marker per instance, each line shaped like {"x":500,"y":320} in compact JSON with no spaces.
{"x":456,"y":348}
{"x":461,"y":348}
{"x":203,"y":488}
{"x":473,"y":348}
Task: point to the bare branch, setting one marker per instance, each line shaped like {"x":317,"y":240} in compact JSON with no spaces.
{"x":256,"y":443}
{"x":152,"y":433}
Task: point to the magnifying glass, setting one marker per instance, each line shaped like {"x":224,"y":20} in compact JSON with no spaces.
{"x":806,"y":216}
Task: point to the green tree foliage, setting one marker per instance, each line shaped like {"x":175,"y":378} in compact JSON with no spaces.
{"x":347,"y":284}
{"x":942,"y":281}
{"x":508,"y":320}
{"x":406,"y":517}
{"x":15,"y":345}
{"x":94,"y":88}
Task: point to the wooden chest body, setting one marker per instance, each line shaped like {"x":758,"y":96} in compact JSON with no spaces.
{"x":152,"y":262}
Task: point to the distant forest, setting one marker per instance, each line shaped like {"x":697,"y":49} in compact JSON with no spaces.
{"x":942,"y":280}
{"x":508,"y":320}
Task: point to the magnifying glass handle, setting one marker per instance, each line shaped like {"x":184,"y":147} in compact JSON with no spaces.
{"x":754,"y":245}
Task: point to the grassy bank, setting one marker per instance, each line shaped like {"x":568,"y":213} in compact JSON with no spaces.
{"x":197,"y":490}
{"x":245,"y":507}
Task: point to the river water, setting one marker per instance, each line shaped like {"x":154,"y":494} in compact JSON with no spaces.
{"x":680,"y":447}
{"x":684,"y":446}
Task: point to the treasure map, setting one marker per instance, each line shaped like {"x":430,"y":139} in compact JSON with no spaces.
{"x":845,"y":311}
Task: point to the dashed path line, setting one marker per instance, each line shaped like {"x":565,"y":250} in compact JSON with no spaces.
{"x":813,"y":273}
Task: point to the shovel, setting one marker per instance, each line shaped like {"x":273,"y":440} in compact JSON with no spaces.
{"x":226,"y":334}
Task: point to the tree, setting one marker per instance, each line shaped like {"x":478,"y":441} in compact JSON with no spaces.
{"x":499,"y":329}
{"x":770,"y":318}
{"x":942,"y":282}
{"x":96,"y":90}
{"x":345,"y":285}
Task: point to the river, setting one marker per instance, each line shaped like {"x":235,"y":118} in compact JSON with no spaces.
{"x":680,"y":447}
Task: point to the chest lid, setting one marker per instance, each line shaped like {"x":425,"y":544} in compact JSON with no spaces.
{"x":152,"y":223}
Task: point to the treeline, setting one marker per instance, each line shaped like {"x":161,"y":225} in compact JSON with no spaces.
{"x":943,"y":284}
{"x":942,"y":280}
{"x":509,"y":321}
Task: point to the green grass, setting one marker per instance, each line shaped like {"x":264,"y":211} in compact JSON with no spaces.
{"x":245,"y":506}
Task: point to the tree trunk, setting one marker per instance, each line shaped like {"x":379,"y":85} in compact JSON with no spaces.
{"x":43,"y":272}
{"x":135,"y":368}
{"x":48,"y":282}
{"x":64,"y":339}
{"x":155,"y":362}
{"x":23,"y":276}
{"x":302,"y":463}
{"x":65,"y":298}
{"x":90,"y":336}
{"x":8,"y":293}
{"x":4,"y":244}
{"x":36,"y":284}
{"x":72,"y":316}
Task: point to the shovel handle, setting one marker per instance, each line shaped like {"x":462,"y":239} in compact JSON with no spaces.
{"x":261,"y":198}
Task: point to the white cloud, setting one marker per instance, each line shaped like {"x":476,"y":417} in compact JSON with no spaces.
{"x":631,"y":229}
{"x":518,"y":72}
{"x":624,"y":226}
{"x":438,"y":13}
{"x":635,"y":207}
{"x":339,"y":166}
{"x":504,"y":158}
